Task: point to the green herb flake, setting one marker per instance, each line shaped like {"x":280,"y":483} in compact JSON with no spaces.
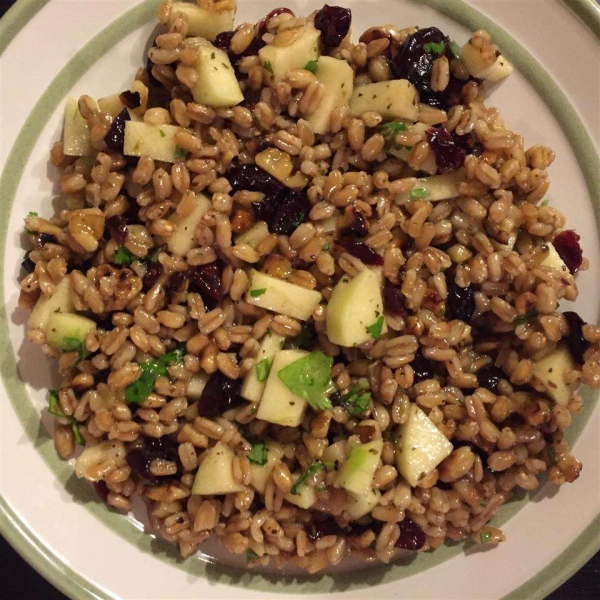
{"x":434,"y":47}
{"x":162,"y":133}
{"x":268,"y":67}
{"x":54,"y":409}
{"x":392,"y":128}
{"x":139,"y":390}
{"x":314,"y":467}
{"x":356,"y":400}
{"x":322,"y":488}
{"x":528,"y":316}
{"x":375,"y":330}
{"x":311,"y":66}
{"x":551,"y":451}
{"x":419,"y":192}
{"x":485,"y":537}
{"x":258,"y":454}
{"x":31,"y":214}
{"x":483,"y":503}
{"x":180,"y":153}
{"x":310,"y":378}
{"x":262,"y":369}
{"x":250,"y":555}
{"x":71,"y":344}
{"x":546,"y":202}
{"x":454,"y":49}
{"x":123,"y":256}
{"x":153,"y":257}
{"x":257,"y":293}
{"x":327,"y":245}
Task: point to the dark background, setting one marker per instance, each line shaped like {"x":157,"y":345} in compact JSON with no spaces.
{"x":19,"y":579}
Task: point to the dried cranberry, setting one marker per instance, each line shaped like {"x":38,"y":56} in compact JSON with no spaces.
{"x":206,"y":280}
{"x":361,"y":251}
{"x":411,"y":536}
{"x":414,"y":62}
{"x":448,"y":155}
{"x":101,"y":489}
{"x":131,"y":99}
{"x":422,"y":368}
{"x":42,"y":239}
{"x":153,"y":272}
{"x":357,"y":222}
{"x":577,"y":343}
{"x":140,"y":459}
{"x":117,"y":227}
{"x":153,"y":81}
{"x":223,"y":40}
{"x":334,"y":24}
{"x":262,"y":25}
{"x":393,"y":301}
{"x":28,"y":265}
{"x":291,"y":210}
{"x":489,"y":378}
{"x":254,"y":179}
{"x":178,"y":281}
{"x":568,"y":248}
{"x":468,"y":144}
{"x":460,"y":303}
{"x":115,"y":138}
{"x":316,"y":529}
{"x":219,"y":395}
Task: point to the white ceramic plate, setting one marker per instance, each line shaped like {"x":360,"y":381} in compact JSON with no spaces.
{"x":49,"y":50}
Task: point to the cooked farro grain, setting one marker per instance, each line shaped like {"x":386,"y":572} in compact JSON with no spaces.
{"x":281,"y":233}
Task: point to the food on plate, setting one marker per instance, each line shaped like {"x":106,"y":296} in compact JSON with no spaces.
{"x":303,"y":290}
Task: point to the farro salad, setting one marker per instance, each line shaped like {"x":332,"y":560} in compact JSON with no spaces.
{"x":303,"y":291}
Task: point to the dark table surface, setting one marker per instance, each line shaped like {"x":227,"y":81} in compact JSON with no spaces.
{"x":19,"y":579}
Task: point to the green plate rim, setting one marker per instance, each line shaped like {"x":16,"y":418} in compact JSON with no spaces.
{"x":24,"y":539}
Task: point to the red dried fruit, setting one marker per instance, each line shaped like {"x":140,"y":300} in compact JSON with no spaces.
{"x":140,"y":459}
{"x":356,"y":222}
{"x":334,"y":24}
{"x":361,"y":251}
{"x":393,"y":300}
{"x":448,"y":155}
{"x":115,"y":138}
{"x":219,"y":395}
{"x":422,"y":368}
{"x":153,"y":271}
{"x":460,"y":303}
{"x":206,"y":280}
{"x":489,"y":378}
{"x":577,"y":343}
{"x":131,"y":99}
{"x":411,"y":536}
{"x":292,"y":208}
{"x":117,"y":227}
{"x":568,"y":248}
{"x":262,"y":25}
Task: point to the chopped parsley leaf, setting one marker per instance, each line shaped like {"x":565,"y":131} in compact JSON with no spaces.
{"x":258,"y":454}
{"x":528,"y":316}
{"x":139,"y":390}
{"x":310,"y":378}
{"x":419,"y":192}
{"x":356,"y":400}
{"x":262,"y":369}
{"x":54,"y":409}
{"x":375,"y":329}
{"x":311,"y":66}
{"x":180,"y":153}
{"x":153,"y":257}
{"x":485,"y":537}
{"x":257,"y":293}
{"x":454,"y":49}
{"x":71,"y":344}
{"x":392,"y":128}
{"x":327,"y":245}
{"x":123,"y":256}
{"x":551,"y":451}
{"x":251,"y":555}
{"x":434,"y":47}
{"x":268,"y":67}
{"x":162,"y":133}
{"x":546,"y":202}
{"x":314,"y":467}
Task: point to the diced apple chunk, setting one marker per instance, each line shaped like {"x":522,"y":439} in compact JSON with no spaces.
{"x":76,"y":133}
{"x":155,"y":141}
{"x":357,"y":472}
{"x":481,"y":65}
{"x":337,"y":77}
{"x":279,"y":404}
{"x":252,"y":388}
{"x":305,"y":497}
{"x":553,"y":260}
{"x":59,"y":302}
{"x":551,"y":372}
{"x":280,"y":60}
{"x":420,"y":446}
{"x":259,"y":474}
{"x":281,"y":296}
{"x":360,"y":505}
{"x":217,"y":84}
{"x":202,"y":22}
{"x":181,"y":241}
{"x":215,"y":474}
{"x":65,"y":330}
{"x":396,"y":99}
{"x":196,"y":386}
{"x":258,"y":232}
{"x":111,"y":105}
{"x":437,"y":187}
{"x":355,"y":305}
